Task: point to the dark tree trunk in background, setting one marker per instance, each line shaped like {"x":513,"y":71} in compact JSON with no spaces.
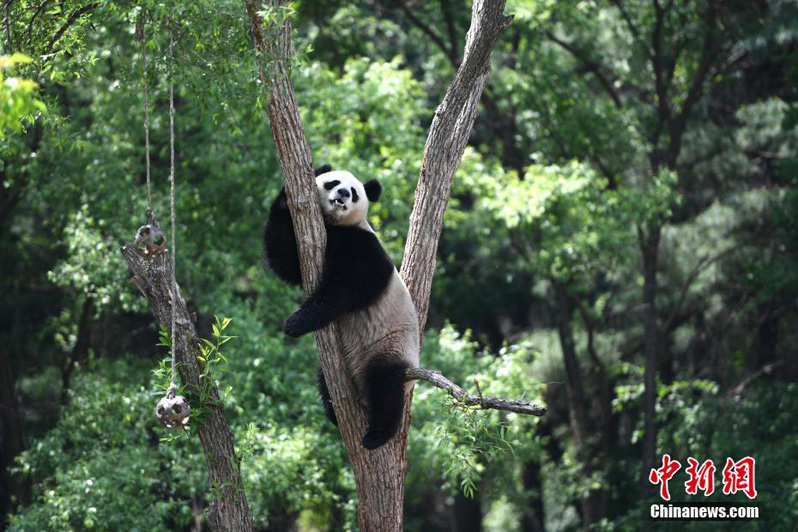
{"x":649,"y":248}
{"x":467,"y":513}
{"x":11,"y":437}
{"x":593,"y":507}
{"x":80,"y":351}
{"x":767,"y":338}
{"x":563,"y":310}
{"x":534,"y":518}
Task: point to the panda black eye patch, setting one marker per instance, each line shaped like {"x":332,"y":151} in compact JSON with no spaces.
{"x":355,"y":197}
{"x":329,"y":185}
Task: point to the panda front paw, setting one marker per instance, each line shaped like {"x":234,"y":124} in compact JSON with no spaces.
{"x":295,"y":325}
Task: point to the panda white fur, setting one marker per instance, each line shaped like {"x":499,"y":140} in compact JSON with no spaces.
{"x":361,"y":290}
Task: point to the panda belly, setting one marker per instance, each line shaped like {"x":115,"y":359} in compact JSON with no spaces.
{"x":386,"y":330}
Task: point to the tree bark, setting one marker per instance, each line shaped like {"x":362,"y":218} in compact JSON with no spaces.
{"x":379,"y":474}
{"x":229,"y":510}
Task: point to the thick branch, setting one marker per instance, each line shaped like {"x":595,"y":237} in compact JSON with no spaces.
{"x":444,"y":148}
{"x":230,"y":511}
{"x":483,"y":402}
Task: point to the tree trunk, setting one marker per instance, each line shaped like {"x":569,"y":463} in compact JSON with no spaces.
{"x":534,"y":518}
{"x":577,"y":404}
{"x":81,"y":349}
{"x":229,"y":511}
{"x":467,"y":513}
{"x":379,"y":474}
{"x":573,"y":376}
{"x":649,"y":247}
{"x":11,"y":438}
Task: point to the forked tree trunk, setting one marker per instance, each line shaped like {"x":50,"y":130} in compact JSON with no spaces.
{"x":379,"y":474}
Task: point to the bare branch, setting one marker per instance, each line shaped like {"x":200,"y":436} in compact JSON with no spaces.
{"x":700,"y":267}
{"x":483,"y":402}
{"x":230,"y":511}
{"x":444,"y":148}
{"x":767,"y":369}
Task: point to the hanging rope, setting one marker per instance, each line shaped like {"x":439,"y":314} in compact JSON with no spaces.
{"x":141,"y":33}
{"x":150,"y":214}
{"x":173,"y":410}
{"x":172,"y":191}
{"x":148,"y":235}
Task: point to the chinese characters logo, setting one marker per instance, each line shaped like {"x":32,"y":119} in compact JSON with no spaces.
{"x":737,"y":476}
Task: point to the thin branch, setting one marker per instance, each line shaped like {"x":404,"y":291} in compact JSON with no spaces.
{"x":589,"y":65}
{"x":767,"y":369}
{"x":633,"y":29}
{"x":71,"y":20}
{"x":434,"y":37}
{"x":449,"y":19}
{"x":483,"y":402}
{"x":702,"y":265}
{"x":7,"y":25}
{"x":32,"y":20}
{"x":711,"y":51}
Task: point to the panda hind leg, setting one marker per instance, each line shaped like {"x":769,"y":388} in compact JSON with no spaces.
{"x":324,"y":393}
{"x":383,"y":387}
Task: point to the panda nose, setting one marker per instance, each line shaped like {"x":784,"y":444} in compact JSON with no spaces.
{"x":343,"y":193}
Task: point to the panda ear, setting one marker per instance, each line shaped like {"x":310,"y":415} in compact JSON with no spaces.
{"x":373,"y":190}
{"x":322,"y":170}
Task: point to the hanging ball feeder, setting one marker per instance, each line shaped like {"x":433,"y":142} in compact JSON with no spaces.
{"x":153,"y":240}
{"x":173,"y":410}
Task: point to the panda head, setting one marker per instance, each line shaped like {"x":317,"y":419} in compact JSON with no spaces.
{"x":345,"y":200}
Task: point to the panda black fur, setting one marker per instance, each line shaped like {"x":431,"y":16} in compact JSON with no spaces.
{"x":361,"y":290}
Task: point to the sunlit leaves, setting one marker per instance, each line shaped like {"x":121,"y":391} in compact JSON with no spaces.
{"x":19,"y":101}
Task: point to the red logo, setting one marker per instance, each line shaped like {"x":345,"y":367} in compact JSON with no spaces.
{"x":701,"y":478}
{"x":739,"y":476}
{"x":662,"y":475}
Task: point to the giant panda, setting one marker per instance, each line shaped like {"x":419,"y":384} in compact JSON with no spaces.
{"x":361,"y":291}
